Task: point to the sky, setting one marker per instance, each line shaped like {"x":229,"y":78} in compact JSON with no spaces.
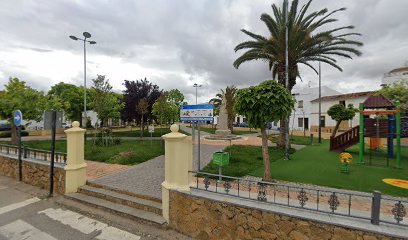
{"x":177,"y":43}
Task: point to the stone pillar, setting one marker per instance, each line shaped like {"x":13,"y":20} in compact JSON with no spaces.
{"x":75,"y":169}
{"x":178,"y":164}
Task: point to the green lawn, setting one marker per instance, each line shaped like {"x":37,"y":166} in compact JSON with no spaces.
{"x":300,"y":140}
{"x":236,"y":132}
{"x":127,"y":153}
{"x":316,"y":165}
{"x":158,"y":132}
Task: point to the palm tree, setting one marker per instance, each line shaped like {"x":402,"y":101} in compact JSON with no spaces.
{"x":229,"y":95}
{"x":307,"y":43}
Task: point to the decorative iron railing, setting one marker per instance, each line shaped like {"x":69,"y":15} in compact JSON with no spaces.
{"x":369,"y":206}
{"x":32,"y":153}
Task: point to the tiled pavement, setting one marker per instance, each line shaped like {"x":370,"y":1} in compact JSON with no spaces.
{"x":146,"y":178}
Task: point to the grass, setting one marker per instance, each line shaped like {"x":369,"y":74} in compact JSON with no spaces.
{"x":126,"y":153}
{"x":236,"y":132}
{"x":158,"y":132}
{"x":300,"y":140}
{"x":316,"y":165}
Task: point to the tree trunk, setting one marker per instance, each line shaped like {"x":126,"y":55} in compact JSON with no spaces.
{"x":336,"y":128}
{"x":14,"y":135}
{"x":281,"y":140}
{"x":141,"y":127}
{"x":265,"y":155}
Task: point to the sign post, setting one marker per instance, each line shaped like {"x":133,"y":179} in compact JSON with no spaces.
{"x":17,"y":119}
{"x":197,"y":114}
{"x":53,"y":130}
{"x":151,"y":131}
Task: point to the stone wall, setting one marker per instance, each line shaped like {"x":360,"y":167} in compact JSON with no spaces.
{"x":204,"y":218}
{"x":36,"y":174}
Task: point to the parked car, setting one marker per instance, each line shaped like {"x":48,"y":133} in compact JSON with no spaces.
{"x":243,"y":124}
{"x":5,"y":127}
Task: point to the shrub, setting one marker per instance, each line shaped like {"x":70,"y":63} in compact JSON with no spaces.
{"x":7,"y":134}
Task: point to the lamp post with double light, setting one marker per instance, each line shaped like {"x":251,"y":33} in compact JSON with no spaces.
{"x":86,"y":36}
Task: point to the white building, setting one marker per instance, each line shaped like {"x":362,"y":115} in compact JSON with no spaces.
{"x":328,"y":123}
{"x":302,"y":118}
{"x":396,"y":74}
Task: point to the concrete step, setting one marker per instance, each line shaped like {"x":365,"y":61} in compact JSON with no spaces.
{"x":124,"y":199}
{"x":116,"y":208}
{"x":92,"y":184}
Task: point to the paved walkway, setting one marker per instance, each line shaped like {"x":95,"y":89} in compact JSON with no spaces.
{"x":146,"y":178}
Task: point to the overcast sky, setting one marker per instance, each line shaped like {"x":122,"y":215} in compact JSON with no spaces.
{"x":177,"y":43}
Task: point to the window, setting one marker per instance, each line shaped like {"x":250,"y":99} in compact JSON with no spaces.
{"x":342,"y":103}
{"x":275,"y":123}
{"x":323,"y":121}
{"x":300,"y":122}
{"x":300,"y":104}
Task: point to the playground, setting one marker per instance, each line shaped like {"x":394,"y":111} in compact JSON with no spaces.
{"x":375,"y":148}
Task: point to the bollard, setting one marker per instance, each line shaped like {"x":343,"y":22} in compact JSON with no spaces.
{"x":311,"y":139}
{"x":375,"y":208}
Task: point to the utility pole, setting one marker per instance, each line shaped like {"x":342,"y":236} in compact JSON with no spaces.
{"x":320,"y":104}
{"x":286,"y":80}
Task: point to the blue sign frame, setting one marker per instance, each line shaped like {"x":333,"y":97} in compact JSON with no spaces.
{"x":197,"y":113}
{"x":17,"y":118}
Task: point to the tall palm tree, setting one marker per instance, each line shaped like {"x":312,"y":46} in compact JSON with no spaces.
{"x":229,"y":95}
{"x":307,"y":43}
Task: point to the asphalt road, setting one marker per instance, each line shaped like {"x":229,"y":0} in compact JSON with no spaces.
{"x":26,"y":213}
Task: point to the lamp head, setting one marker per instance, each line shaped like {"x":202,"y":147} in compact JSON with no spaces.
{"x":73,"y":37}
{"x":86,"y":34}
{"x":92,"y":42}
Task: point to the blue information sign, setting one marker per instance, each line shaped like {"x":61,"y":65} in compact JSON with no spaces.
{"x":197,"y":113}
{"x":18,"y":118}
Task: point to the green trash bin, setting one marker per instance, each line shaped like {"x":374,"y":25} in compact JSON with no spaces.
{"x":221,"y":158}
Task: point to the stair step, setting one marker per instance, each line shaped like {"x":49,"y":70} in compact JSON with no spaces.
{"x":123,"y":199}
{"x":117,"y":208}
{"x":97,"y":185}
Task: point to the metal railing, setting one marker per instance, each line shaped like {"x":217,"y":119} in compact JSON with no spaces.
{"x":373,"y":207}
{"x":32,"y":153}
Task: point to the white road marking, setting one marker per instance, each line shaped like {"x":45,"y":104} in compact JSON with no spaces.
{"x":115,"y":233}
{"x":15,"y":206}
{"x":87,"y":225}
{"x":20,"y":230}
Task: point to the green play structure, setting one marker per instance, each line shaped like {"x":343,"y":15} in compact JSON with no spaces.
{"x":379,"y":119}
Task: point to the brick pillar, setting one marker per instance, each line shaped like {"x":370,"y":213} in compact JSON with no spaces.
{"x":178,"y":163}
{"x":75,"y":168}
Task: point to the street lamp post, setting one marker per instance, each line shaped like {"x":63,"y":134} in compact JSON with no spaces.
{"x":86,"y":36}
{"x":320,"y":105}
{"x":198,"y":133}
{"x":196,"y":87}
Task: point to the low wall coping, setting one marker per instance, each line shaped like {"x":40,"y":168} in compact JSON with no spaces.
{"x":341,"y":221}
{"x":36,"y":161}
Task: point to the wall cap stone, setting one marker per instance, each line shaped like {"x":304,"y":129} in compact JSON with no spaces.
{"x":326,"y":218}
{"x":169,"y":186}
{"x":174,"y":134}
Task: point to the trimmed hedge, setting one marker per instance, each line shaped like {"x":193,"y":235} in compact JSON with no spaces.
{"x":7,"y":134}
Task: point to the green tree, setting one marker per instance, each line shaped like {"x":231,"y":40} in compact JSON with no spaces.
{"x":17,"y":95}
{"x":106,"y":103}
{"x":229,"y":95}
{"x":72,"y":99}
{"x":163,"y":110}
{"x":176,"y":99}
{"x":339,"y":113}
{"x":310,"y":39}
{"x":261,"y":104}
{"x":142,"y":107}
{"x":397,"y":91}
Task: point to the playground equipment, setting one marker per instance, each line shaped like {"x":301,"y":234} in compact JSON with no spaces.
{"x":346,"y":159}
{"x":386,"y":124}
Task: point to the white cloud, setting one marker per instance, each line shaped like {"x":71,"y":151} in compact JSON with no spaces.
{"x":178,"y":43}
